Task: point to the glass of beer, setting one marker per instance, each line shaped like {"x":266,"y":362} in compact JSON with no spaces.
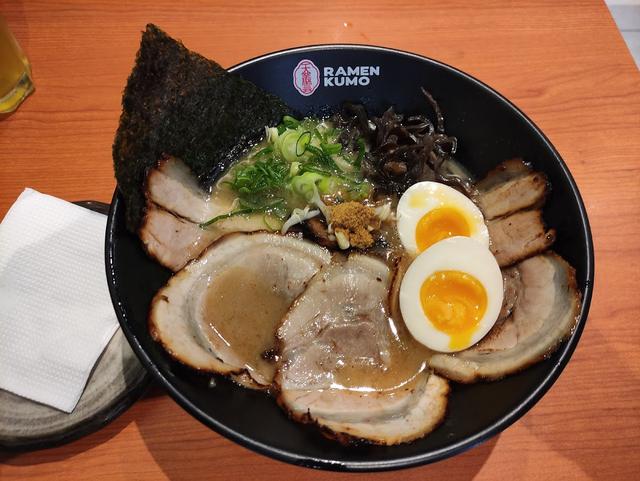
{"x":15,"y":72}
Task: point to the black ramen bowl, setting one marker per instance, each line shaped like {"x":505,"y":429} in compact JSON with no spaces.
{"x":489,"y":129}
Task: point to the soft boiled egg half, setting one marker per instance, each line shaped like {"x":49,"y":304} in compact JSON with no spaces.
{"x":429,"y":212}
{"x":451,"y":294}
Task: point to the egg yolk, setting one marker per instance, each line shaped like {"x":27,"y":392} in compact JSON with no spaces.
{"x":454,"y":302}
{"x":440,"y":223}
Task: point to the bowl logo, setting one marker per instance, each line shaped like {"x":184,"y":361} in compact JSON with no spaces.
{"x":306,"y":77}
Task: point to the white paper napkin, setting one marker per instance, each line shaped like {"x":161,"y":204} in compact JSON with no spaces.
{"x":56,"y":316}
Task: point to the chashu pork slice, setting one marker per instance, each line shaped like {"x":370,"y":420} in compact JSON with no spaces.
{"x":510,"y":187}
{"x":220,"y":313}
{"x":511,"y":286}
{"x":172,"y":186}
{"x":173,"y":241}
{"x":518,"y":236}
{"x":545,"y":311}
{"x":340,"y":324}
{"x":510,"y":198}
{"x":504,"y":172}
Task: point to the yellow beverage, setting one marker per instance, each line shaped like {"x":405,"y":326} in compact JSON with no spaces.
{"x":15,"y":72}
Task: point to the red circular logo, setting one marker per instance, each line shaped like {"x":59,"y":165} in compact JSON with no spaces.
{"x":306,"y":77}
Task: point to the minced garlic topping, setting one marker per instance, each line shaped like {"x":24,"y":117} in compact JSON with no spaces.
{"x":354,"y":221}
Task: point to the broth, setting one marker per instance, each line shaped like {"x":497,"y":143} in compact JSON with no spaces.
{"x":406,"y":359}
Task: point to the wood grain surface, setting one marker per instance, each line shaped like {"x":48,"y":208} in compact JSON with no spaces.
{"x":563,"y":63}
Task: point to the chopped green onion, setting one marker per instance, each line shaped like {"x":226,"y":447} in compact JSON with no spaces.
{"x":361,"y":190}
{"x":343,"y":163}
{"x":328,"y":185}
{"x":330,"y":133}
{"x":274,"y":228}
{"x":306,"y":186}
{"x":288,"y":143}
{"x":322,"y":157}
{"x":331,"y":149}
{"x":326,"y":173}
{"x":361,"y":151}
{"x":261,"y":176}
{"x":289,"y":122}
{"x":267,"y":150}
{"x":302,"y":143}
{"x":226,"y":216}
{"x":318,"y":134}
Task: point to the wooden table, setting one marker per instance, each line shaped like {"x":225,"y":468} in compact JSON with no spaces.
{"x":566,"y":66}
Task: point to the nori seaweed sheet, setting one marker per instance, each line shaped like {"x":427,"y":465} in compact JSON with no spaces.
{"x":179,"y":103}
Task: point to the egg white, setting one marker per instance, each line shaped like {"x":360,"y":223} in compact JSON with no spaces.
{"x":455,"y":253}
{"x":423,"y":197}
